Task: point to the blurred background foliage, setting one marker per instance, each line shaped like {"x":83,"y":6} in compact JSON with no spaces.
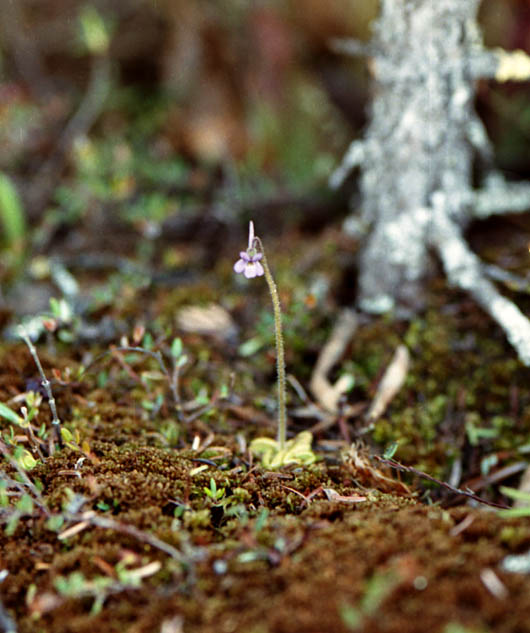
{"x":133,"y":117}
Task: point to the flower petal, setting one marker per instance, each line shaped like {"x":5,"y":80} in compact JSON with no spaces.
{"x":257,"y":257}
{"x":250,"y":234}
{"x":244,"y":256}
{"x":250,"y":270}
{"x":240,"y":266}
{"x":259,"y":270}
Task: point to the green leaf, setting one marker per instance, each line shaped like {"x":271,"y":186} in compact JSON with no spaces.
{"x":513,"y":493}
{"x":296,"y":451}
{"x":390,"y":451}
{"x":261,"y":519}
{"x":11,"y":416}
{"x":514,"y":513}
{"x":26,"y":460}
{"x":94,"y":32}
{"x":11,"y":212}
{"x":25,"y":504}
{"x":182,"y":361}
{"x":262,"y":445}
{"x":147,"y":341}
{"x":176,"y":348}
{"x":12,"y":524}
{"x":250,"y":347}
{"x":66,"y":435}
{"x":4,"y":499}
{"x":351,"y":617}
{"x":55,"y":522}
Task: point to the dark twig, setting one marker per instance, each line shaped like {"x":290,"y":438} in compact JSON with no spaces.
{"x":45,"y":383}
{"x":7,"y":624}
{"x":90,"y":518}
{"x":457,"y":491}
{"x":88,"y":112}
{"x":140,"y":535}
{"x":24,"y":49}
{"x":172,"y":378}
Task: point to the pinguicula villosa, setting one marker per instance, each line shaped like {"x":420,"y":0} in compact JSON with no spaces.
{"x":274,"y":453}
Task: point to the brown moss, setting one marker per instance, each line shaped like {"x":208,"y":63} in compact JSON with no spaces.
{"x":273,"y":554}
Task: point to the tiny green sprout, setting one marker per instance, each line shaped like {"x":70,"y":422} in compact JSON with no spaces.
{"x":476,"y":433}
{"x":94,"y":31}
{"x":215,"y":494}
{"x":351,"y":617}
{"x":25,"y":504}
{"x":12,"y":523}
{"x":71,"y":585}
{"x":261,"y":520}
{"x":390,"y":450}
{"x":24,"y":458}
{"x":170,"y":431}
{"x":4,"y":498}
{"x":55,"y":522}
{"x":176,"y":347}
{"x":280,"y":452}
{"x":33,"y":401}
{"x":148,"y":342}
{"x":11,"y":214}
{"x":9,"y":415}
{"x":456,"y":627}
{"x":377,"y":589}
{"x":66,"y":435}
{"x":523,"y":510}
{"x":61,"y":310}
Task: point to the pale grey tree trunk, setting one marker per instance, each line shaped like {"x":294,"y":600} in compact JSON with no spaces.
{"x":417,"y":156}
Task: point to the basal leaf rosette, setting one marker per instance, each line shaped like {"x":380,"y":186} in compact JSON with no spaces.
{"x":296,"y":451}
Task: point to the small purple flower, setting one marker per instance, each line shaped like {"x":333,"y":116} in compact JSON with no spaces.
{"x":249,"y":263}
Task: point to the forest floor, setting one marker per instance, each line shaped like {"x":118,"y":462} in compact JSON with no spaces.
{"x":154,"y":516}
{"x":123,"y":207}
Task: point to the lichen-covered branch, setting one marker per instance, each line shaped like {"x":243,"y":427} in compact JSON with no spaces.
{"x":353,"y":158}
{"x":464,"y":270}
{"x":500,"y":197}
{"x":351,"y":46}
{"x":500,"y":65}
{"x":478,"y":137}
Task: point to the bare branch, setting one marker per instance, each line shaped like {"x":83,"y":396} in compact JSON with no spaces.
{"x":80,"y":123}
{"x":500,"y":197}
{"x":500,"y":65}
{"x":353,"y":158}
{"x":328,"y":395}
{"x":458,"y":491}
{"x":351,"y":46}
{"x":45,"y":383}
{"x":478,"y":137}
{"x":7,"y":623}
{"x":509,"y":279}
{"x":392,"y":381}
{"x":464,"y":270}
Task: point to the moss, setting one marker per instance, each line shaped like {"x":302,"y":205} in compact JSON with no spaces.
{"x":264,"y":555}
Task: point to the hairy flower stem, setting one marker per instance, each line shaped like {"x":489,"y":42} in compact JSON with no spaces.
{"x":280,"y":356}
